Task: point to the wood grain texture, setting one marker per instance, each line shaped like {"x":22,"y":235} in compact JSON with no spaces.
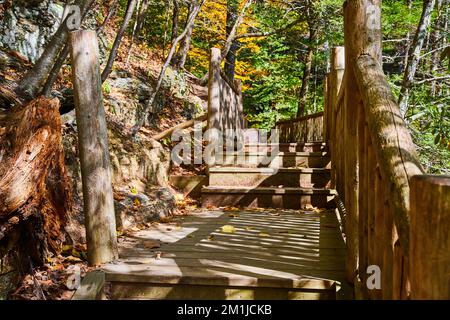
{"x":93,"y":148}
{"x":291,"y":250}
{"x":430,"y":243}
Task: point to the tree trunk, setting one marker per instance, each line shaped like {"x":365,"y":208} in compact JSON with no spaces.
{"x":190,"y":24}
{"x":141,"y":17}
{"x":307,"y":73}
{"x":232,"y":36}
{"x":175,"y":19}
{"x":35,"y":191}
{"x":230,"y":59}
{"x":112,"y":56}
{"x":414,"y":55}
{"x":93,"y":148}
{"x":33,"y":81}
{"x":55,"y":71}
{"x":437,"y":42}
{"x":180,"y":57}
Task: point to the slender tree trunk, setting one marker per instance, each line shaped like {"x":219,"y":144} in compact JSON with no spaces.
{"x":112,"y":56}
{"x":180,"y":57}
{"x":175,"y":19}
{"x":55,"y":71}
{"x":232,"y":36}
{"x":134,"y":32}
{"x":33,"y":81}
{"x":230,"y":59}
{"x":112,"y":10}
{"x":141,"y":18}
{"x":436,"y":44}
{"x":190,"y":24}
{"x":414,"y":56}
{"x":307,"y":73}
{"x":408,"y":35}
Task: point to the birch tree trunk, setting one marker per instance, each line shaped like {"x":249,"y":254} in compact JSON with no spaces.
{"x":414,"y":55}
{"x":33,"y":81}
{"x":112,"y":56}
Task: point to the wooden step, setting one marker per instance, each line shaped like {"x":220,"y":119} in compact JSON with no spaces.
{"x":269,"y":177}
{"x":287,"y":147}
{"x":277,"y":160}
{"x":267,"y":197}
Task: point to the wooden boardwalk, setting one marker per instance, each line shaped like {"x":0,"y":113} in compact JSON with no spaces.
{"x":270,"y":254}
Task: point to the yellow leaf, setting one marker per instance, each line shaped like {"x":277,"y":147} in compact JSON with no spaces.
{"x":228,"y":229}
{"x":264,"y":234}
{"x":233,"y":215}
{"x":211,"y":238}
{"x":136,"y":202}
{"x":231,"y":209}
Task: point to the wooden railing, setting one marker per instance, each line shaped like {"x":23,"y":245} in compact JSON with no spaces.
{"x":225,"y":105}
{"x":392,"y":210}
{"x":303,"y":129}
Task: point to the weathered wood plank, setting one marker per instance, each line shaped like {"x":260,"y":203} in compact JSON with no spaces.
{"x":430,"y":241}
{"x":91,"y":287}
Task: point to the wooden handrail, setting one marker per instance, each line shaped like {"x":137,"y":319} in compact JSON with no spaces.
{"x":302,"y":118}
{"x":393,"y":146}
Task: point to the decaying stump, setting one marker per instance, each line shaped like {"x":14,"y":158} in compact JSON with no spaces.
{"x":35,"y":192}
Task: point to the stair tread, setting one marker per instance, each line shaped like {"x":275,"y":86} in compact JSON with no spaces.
{"x":267,"y":170}
{"x":276,"y":190}
{"x":280,"y":153}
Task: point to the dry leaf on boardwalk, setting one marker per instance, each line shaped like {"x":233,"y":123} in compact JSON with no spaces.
{"x":231,"y":209}
{"x":228,"y":229}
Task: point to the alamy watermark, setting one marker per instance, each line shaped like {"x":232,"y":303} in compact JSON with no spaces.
{"x":229,"y":147}
{"x":72,"y":17}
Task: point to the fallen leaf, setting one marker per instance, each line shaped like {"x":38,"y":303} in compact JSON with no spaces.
{"x":211,"y":238}
{"x":264,"y":234}
{"x":231,"y":209}
{"x":233,"y":215}
{"x":248,"y":228}
{"x":72,"y":259}
{"x":151,"y":244}
{"x":228,"y":229}
{"x":136,"y":202}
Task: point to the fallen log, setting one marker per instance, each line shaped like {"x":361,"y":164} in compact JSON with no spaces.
{"x":181,"y":126}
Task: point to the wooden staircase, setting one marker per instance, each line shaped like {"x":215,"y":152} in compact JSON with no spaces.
{"x":296,"y":175}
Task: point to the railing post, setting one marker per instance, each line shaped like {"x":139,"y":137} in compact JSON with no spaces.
{"x":335,"y":84}
{"x":362,"y":29}
{"x":429,"y":249}
{"x":214,"y":116}
{"x":93,"y":148}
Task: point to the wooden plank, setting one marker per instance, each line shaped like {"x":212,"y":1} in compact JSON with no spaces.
{"x":430,"y":241}
{"x":91,"y":287}
{"x":196,"y":292}
{"x":217,"y":276}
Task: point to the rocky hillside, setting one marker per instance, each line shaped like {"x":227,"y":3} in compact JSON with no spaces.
{"x":140,"y":167}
